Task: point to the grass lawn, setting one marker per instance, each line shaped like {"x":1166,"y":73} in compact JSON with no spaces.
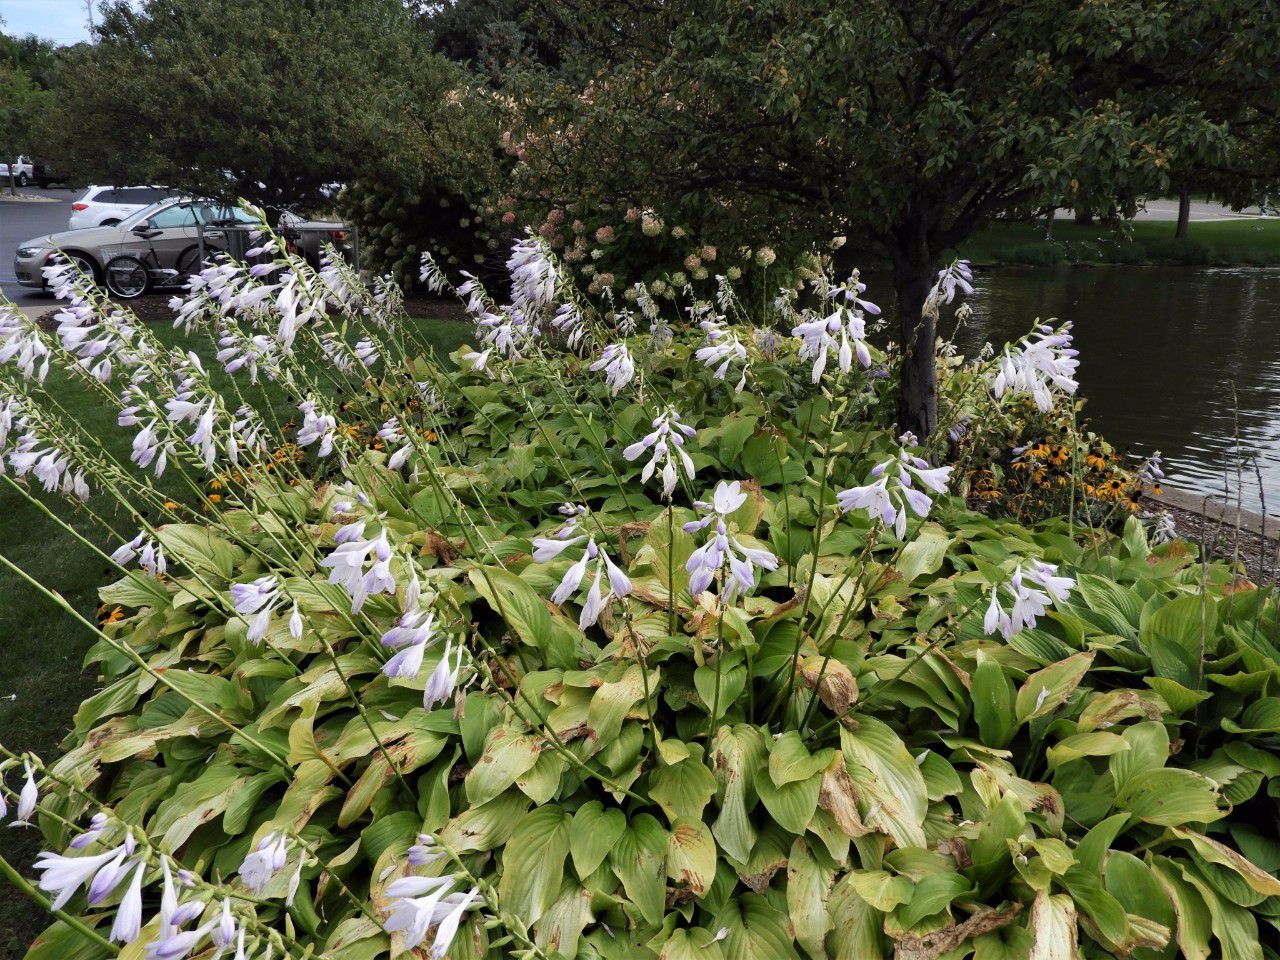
{"x":41,"y":680}
{"x":1218,"y":242}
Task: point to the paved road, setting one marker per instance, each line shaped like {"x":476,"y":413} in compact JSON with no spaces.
{"x":1201,"y":211}
{"x":22,"y":220}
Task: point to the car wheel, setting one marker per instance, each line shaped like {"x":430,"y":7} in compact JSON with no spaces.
{"x":84,"y":264}
{"x":22,"y":180}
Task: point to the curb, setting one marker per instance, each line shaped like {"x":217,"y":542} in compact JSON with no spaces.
{"x":1206,"y":506}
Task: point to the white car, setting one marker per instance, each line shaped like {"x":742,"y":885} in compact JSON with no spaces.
{"x":107,"y":206}
{"x":24,"y":171}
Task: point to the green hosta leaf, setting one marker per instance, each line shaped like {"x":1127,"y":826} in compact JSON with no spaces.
{"x":528,"y":615}
{"x":1136,"y":886}
{"x":200,"y":550}
{"x":533,"y":863}
{"x":932,"y":894}
{"x":790,"y":760}
{"x":639,"y":860}
{"x":993,"y":702}
{"x":1260,"y":716}
{"x":612,"y":701}
{"x":508,"y":754}
{"x":882,"y":890}
{"x":1170,"y":797}
{"x":791,"y":806}
{"x":1235,"y":928}
{"x":924,"y":554}
{"x":1187,"y":621}
{"x":695,"y":944}
{"x":487,"y":826}
{"x":756,"y":930}
{"x":682,"y":789}
{"x":1046,"y":690}
{"x":592,"y":835}
{"x":1194,"y":923}
{"x":1096,"y":744}
{"x":885,"y":773}
{"x":1148,"y":750}
{"x":691,"y":855}
{"x":808,"y":887}
{"x":733,"y":680}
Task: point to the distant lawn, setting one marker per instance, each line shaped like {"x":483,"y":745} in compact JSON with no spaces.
{"x":41,"y":680}
{"x":1218,"y":242}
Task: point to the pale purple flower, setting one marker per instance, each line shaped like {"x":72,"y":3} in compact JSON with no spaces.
{"x":416,"y":906}
{"x":27,"y":799}
{"x":62,"y":875}
{"x":97,"y":824}
{"x":594,"y":558}
{"x":1045,"y":362}
{"x":128,"y":922}
{"x":443,"y":680}
{"x":619,"y":369}
{"x":893,"y":492}
{"x":267,"y":858}
{"x":316,"y":425}
{"x":723,"y":551}
{"x":721,"y":349}
{"x":843,"y":330}
{"x":1032,"y":591}
{"x":666,"y":440}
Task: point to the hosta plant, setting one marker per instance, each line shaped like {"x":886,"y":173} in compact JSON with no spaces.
{"x":643,"y":638}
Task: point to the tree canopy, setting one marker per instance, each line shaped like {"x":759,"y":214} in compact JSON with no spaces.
{"x":905,"y":124}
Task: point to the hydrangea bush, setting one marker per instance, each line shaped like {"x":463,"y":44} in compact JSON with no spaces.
{"x":640,"y":637}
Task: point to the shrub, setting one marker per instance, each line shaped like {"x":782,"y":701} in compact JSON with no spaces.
{"x":660,"y":645}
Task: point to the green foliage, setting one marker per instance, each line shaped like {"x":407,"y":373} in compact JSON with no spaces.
{"x":841,"y":765}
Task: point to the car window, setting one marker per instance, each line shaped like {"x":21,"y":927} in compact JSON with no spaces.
{"x":178,"y":215}
{"x":209,"y":214}
{"x":139,"y":195}
{"x":145,"y":213}
{"x":106,"y":195}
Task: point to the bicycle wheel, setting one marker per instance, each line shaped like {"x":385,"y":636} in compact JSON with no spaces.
{"x":127,"y":277}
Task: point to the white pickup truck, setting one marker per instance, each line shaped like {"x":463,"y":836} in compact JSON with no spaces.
{"x":23,"y":172}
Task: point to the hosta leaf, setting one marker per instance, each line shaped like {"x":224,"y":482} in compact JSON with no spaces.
{"x":1235,"y":928}
{"x":612,"y":701}
{"x":1099,"y":743}
{"x":528,"y":615}
{"x":487,"y":826}
{"x":695,"y":944}
{"x":737,"y":754}
{"x":993,"y":702}
{"x":691,"y":855}
{"x":592,"y":835}
{"x":791,"y":806}
{"x":1046,"y":690}
{"x":733,"y":679}
{"x":1148,"y":750}
{"x":1170,"y":797}
{"x":1194,"y":923}
{"x":932,"y":894}
{"x":808,"y":887}
{"x":200,"y":550}
{"x":924,"y":553}
{"x":1053,"y":928}
{"x":790,"y":760}
{"x":1219,"y":853}
{"x":682,"y":789}
{"x":639,"y":859}
{"x":756,"y":930}
{"x":563,"y":922}
{"x":855,"y":925}
{"x":885,"y":774}
{"x":508,"y":754}
{"x":533,"y":863}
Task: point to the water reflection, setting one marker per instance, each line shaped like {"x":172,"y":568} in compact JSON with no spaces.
{"x":1161,"y":350}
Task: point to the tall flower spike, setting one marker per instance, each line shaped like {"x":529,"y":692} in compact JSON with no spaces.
{"x":844,"y":330}
{"x":722,"y":550}
{"x":666,"y":440}
{"x":1045,"y":362}
{"x":893,"y":492}
{"x":619,"y":369}
{"x":594,"y":558}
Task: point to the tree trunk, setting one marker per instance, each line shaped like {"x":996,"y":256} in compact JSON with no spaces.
{"x":918,"y":396}
{"x":1048,"y":224}
{"x":1184,"y":213}
{"x":13,"y":181}
{"x":1084,"y":218}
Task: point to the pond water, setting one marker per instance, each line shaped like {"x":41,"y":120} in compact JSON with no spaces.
{"x":1172,"y":359}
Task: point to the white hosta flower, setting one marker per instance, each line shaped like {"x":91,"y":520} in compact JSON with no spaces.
{"x":722,"y":348}
{"x":21,"y":345}
{"x":411,"y":636}
{"x":256,"y":599}
{"x":248,"y":434}
{"x":178,"y":943}
{"x":28,"y":797}
{"x":1044,"y":362}
{"x":619,"y":369}
{"x":444,"y":679}
{"x":97,"y":824}
{"x":477,"y":361}
{"x":346,"y":564}
{"x":426,"y":851}
{"x":844,"y":330}
{"x":417,"y":905}
{"x":722,"y":549}
{"x":392,"y":434}
{"x":149,"y":448}
{"x":149,"y":553}
{"x":127,"y":925}
{"x":1031,"y":590}
{"x":571,"y":324}
{"x":62,"y":876}
{"x":893,"y":492}
{"x":534,"y":278}
{"x":956,"y":276}
{"x":316,"y":425}
{"x":666,"y":441}
{"x":266,"y":859}
{"x":594,"y":560}
{"x":431,"y":275}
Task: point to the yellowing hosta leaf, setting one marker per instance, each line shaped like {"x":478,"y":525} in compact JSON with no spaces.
{"x":885,"y":775}
{"x":756,"y":930}
{"x":808,"y":887}
{"x":533,"y":863}
{"x":790,"y":760}
{"x":696,"y":944}
{"x":791,"y":806}
{"x":1053,"y":928}
{"x":856,"y":926}
{"x":508,"y":754}
{"x":562,"y":924}
{"x":1046,"y":690}
{"x":612,"y":701}
{"x":639,"y":860}
{"x":1170,"y":797}
{"x":883,"y":890}
{"x":736,"y":754}
{"x":682,"y":789}
{"x":1219,"y":853}
{"x":691,"y":855}
{"x":487,"y":826}
{"x":1193,"y":920}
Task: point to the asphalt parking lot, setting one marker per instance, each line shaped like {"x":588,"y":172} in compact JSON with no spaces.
{"x":24,"y":220}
